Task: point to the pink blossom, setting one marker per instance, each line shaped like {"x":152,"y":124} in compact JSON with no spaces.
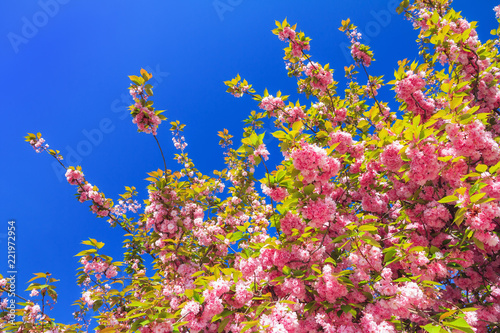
{"x":262,"y":152}
{"x":328,"y":286}
{"x":276,"y":193}
{"x":320,"y":78}
{"x":270,"y":103}
{"x":497,"y":11}
{"x":360,"y":55}
{"x":319,"y":212}
{"x":390,"y":156}
{"x":343,"y":139}
{"x":291,"y":221}
{"x":286,"y":33}
{"x":74,"y":177}
{"x":146,"y":119}
{"x":87,"y":298}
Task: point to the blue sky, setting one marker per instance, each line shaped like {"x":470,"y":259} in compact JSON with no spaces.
{"x":65,"y":72}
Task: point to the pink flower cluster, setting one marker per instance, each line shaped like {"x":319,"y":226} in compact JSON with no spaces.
{"x":436,"y":215}
{"x":320,"y":78}
{"x":359,"y":55}
{"x":319,"y":212}
{"x":291,"y":115}
{"x":496,"y":9}
{"x":87,"y":298}
{"x":239,"y":90}
{"x":424,"y":164}
{"x":124,"y":206}
{"x":298,"y":47}
{"x":179,"y":143}
{"x":390,"y":156}
{"x":328,"y":287}
{"x":409,"y":90}
{"x":74,"y":177}
{"x":137,"y":92}
{"x":146,"y":119}
{"x":161,"y":212}
{"x":100,"y":205}
{"x":199,"y":317}
{"x":262,"y":152}
{"x":292,"y":221}
{"x":314,"y":163}
{"x":286,"y":33}
{"x":32,"y":313}
{"x":374,"y":202}
{"x":471,"y":140}
{"x":276,"y":193}
{"x":354,"y":35}
{"x":270,"y":103}
{"x":38,"y":145}
{"x":281,"y":320}
{"x":343,"y":139}
{"x":99,"y":267}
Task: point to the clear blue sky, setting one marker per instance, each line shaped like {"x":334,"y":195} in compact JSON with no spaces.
{"x":65,"y":67}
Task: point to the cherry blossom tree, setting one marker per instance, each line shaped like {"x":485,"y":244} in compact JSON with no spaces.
{"x":376,"y":220}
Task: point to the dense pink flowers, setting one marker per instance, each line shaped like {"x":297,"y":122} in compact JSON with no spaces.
{"x":424,"y":164}
{"x":373,"y":221}
{"x":276,"y":193}
{"x":292,"y":114}
{"x":390,"y":157}
{"x":286,"y":33}
{"x":360,"y":55}
{"x":320,"y":78}
{"x":328,"y":286}
{"x":38,"y":145}
{"x":319,"y":212}
{"x":262,"y":152}
{"x":271,"y":103}
{"x":290,"y":221}
{"x":473,"y":141}
{"x":146,"y":119}
{"x":99,"y":267}
{"x":409,"y":90}
{"x":314,"y":163}
{"x":298,"y":47}
{"x":343,"y":139}
{"x":74,"y":177}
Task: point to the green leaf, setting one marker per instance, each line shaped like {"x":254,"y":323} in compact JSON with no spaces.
{"x":447,"y":314}
{"x":450,"y":198}
{"x":279,"y":135}
{"x":478,"y":243}
{"x":460,"y":324}
{"x":431,"y":328}
{"x":223,"y":324}
{"x":494,"y":168}
{"x":138,"y":304}
{"x":476,"y":197}
{"x":249,"y":325}
{"x":309,"y":189}
{"x":261,"y":308}
{"x":481,"y":168}
{"x":368,"y":227}
{"x":456,"y":102}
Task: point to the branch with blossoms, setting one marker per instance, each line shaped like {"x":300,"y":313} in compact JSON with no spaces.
{"x":387,"y":222}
